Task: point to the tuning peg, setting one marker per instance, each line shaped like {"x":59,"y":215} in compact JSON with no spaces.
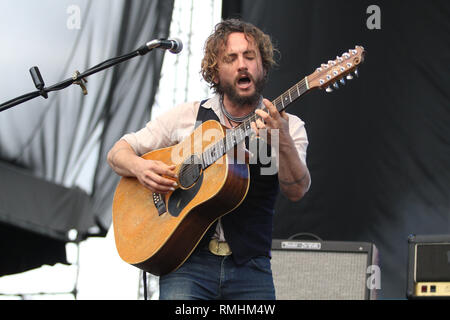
{"x":336,"y":85}
{"x":349,"y":77}
{"x":342,"y":81}
{"x":356,"y":72}
{"x":328,"y":89}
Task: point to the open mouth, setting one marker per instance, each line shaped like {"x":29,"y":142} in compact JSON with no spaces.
{"x":244,"y":81}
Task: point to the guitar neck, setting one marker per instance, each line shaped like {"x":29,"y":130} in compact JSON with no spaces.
{"x":291,"y":95}
{"x":324,"y":76}
{"x":237,"y":135}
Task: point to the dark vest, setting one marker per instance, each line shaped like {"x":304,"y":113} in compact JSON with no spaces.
{"x":248,"y":228}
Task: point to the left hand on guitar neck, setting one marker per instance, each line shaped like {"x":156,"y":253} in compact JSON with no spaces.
{"x":273,"y":120}
{"x":293,"y":174}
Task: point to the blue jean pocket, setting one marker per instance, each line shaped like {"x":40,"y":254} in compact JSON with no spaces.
{"x":261,"y":264}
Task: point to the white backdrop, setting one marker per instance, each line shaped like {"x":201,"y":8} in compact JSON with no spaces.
{"x":102,"y":274}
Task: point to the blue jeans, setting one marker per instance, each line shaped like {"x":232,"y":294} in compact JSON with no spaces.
{"x":205,"y":276}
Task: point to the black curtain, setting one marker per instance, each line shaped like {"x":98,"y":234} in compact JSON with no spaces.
{"x":54,"y":175}
{"x":379,"y":151}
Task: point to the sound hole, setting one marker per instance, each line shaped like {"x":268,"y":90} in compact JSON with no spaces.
{"x":190,"y":171}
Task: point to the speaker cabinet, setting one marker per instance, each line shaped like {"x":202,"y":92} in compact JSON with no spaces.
{"x":325,"y":270}
{"x":428,"y":266}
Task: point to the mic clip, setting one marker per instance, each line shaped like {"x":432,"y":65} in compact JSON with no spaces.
{"x":38,"y":81}
{"x":80,"y":82}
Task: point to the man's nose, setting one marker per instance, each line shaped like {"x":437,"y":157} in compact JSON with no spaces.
{"x":242,"y":64}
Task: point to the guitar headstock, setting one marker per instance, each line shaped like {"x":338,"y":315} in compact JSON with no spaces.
{"x":335,"y":72}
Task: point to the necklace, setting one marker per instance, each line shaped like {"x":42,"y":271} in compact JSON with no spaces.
{"x":232,"y":118}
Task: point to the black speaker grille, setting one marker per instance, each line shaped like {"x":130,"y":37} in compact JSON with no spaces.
{"x":433,"y":262}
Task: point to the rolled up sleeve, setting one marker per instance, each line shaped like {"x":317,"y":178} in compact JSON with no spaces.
{"x":166,"y":130}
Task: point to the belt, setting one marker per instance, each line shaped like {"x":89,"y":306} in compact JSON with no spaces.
{"x":219,"y":248}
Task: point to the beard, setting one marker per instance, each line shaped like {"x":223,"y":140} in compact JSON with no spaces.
{"x":227,"y":88}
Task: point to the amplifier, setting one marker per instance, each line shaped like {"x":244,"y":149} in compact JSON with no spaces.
{"x":428,"y":266}
{"x":325,"y":270}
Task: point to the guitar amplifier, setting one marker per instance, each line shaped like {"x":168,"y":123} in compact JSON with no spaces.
{"x":325,"y":270}
{"x":428,"y":266}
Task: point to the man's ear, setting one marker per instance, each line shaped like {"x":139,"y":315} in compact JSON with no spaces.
{"x":216,"y":79}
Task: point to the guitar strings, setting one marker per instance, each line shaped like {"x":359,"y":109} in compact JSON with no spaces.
{"x":295,"y":91}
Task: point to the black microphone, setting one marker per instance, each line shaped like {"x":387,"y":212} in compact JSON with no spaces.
{"x":173,"y":45}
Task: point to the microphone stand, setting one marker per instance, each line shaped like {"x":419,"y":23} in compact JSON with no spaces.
{"x":77,"y":78}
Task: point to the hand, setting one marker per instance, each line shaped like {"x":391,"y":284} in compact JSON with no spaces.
{"x":150,"y":174}
{"x":272,"y":120}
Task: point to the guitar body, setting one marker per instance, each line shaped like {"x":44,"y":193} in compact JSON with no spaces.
{"x":157,"y":233}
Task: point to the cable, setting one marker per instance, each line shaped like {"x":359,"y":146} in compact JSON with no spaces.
{"x":144,"y":279}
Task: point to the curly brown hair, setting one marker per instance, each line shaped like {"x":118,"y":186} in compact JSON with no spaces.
{"x":216,"y":41}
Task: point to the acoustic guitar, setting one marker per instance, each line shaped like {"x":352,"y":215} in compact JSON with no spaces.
{"x":158,"y":232}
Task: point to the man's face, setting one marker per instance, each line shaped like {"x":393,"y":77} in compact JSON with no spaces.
{"x":241,"y":77}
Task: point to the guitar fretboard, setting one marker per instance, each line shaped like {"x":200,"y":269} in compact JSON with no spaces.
{"x":235,"y":136}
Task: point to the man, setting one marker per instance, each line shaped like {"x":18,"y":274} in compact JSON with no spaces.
{"x":233,"y":259}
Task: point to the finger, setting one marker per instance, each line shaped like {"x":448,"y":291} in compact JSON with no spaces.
{"x":268,"y":120}
{"x":149,"y":185}
{"x":163,"y":169}
{"x":263,"y":114}
{"x":170,"y":172}
{"x":260,"y":124}
{"x":161,"y":181}
{"x":158,"y":188}
{"x":156,"y":183}
{"x":284,"y":115}
{"x":272,"y":110}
